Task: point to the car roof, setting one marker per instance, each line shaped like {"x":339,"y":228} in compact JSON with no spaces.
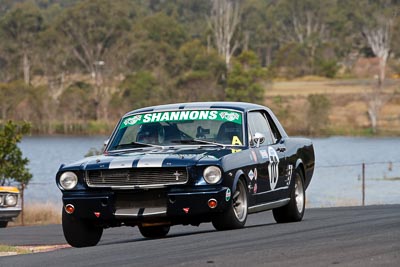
{"x":240,"y":106}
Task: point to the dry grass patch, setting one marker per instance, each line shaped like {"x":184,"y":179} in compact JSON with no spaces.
{"x":40,"y":214}
{"x":326,"y":86}
{"x":6,"y":250}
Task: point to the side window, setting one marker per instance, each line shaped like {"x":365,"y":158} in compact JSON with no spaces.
{"x":258,"y":124}
{"x":275,"y":132}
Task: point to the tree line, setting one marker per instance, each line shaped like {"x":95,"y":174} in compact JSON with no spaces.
{"x":76,"y":66}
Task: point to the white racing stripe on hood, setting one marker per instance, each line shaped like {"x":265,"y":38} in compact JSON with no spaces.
{"x":121,"y":163}
{"x":152,"y":160}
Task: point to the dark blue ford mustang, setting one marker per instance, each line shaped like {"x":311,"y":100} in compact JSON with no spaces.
{"x":186,"y":164}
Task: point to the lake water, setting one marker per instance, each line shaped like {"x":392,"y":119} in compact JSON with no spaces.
{"x":336,"y":181}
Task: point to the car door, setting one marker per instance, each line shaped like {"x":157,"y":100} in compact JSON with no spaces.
{"x":271,"y":159}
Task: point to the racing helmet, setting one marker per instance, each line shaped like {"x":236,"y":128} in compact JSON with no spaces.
{"x":151,"y":133}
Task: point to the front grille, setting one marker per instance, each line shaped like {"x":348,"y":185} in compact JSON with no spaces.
{"x":136,"y":177}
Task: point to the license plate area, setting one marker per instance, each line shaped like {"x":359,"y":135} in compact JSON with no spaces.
{"x":138,"y":204}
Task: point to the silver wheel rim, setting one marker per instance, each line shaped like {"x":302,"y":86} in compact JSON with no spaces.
{"x":299,"y":194}
{"x":239,"y":202}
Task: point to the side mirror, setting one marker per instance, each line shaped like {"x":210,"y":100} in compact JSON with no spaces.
{"x":258,"y":139}
{"x":105,"y":144}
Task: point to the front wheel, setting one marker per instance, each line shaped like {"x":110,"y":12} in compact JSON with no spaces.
{"x":3,"y":224}
{"x":154,"y":231}
{"x":236,"y":215}
{"x":80,"y":233}
{"x":294,"y":210}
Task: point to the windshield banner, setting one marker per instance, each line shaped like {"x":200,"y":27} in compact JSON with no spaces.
{"x":184,"y":115}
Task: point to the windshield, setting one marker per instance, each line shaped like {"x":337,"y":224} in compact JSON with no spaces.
{"x":170,"y":128}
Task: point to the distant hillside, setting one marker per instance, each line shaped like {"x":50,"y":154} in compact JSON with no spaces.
{"x":76,"y":66}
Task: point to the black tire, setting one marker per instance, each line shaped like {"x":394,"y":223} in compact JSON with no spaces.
{"x":294,"y":210}
{"x":3,"y":224}
{"x":80,"y":233}
{"x":154,"y":231}
{"x":236,"y":215}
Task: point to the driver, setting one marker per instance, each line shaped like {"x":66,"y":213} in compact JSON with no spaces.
{"x":152,"y":133}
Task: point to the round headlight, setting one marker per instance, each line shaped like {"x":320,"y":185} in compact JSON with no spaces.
{"x":68,"y":180}
{"x":10,"y":200}
{"x":212,"y":174}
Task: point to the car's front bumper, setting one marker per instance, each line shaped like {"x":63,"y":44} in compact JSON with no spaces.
{"x":9,"y":213}
{"x":168,"y":204}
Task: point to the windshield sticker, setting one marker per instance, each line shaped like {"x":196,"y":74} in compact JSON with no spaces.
{"x":132,"y":120}
{"x":184,"y":115}
{"x":236,"y":142}
{"x":230,"y":116}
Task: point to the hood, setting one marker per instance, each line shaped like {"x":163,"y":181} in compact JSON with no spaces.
{"x":152,"y":157}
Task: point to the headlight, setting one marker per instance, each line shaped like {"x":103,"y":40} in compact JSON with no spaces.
{"x":212,"y":174}
{"x":10,"y":200}
{"x":68,"y":180}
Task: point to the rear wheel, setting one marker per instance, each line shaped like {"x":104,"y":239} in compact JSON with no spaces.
{"x":3,"y":224}
{"x":294,"y":210}
{"x":80,"y":233}
{"x":154,"y":231}
{"x":236,"y":215}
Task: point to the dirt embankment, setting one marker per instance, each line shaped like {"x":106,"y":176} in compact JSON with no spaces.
{"x":348,"y":111}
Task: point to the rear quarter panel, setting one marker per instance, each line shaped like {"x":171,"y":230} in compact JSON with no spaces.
{"x":301,"y":151}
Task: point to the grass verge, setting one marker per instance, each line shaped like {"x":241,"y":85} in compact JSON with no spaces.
{"x":6,"y":250}
{"x":39,"y":214}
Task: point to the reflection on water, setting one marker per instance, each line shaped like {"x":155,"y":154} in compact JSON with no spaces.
{"x":338,"y":185}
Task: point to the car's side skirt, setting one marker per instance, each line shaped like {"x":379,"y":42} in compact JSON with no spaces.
{"x":269,"y":206}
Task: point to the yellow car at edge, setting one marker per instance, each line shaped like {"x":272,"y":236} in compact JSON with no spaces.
{"x":10,"y":204}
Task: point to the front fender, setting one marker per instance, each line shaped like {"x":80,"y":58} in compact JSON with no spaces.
{"x":236,"y":179}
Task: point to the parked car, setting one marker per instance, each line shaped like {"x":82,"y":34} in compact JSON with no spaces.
{"x":10,"y":206}
{"x":187,"y":163}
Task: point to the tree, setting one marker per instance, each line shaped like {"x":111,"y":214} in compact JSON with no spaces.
{"x":375,"y":20}
{"x":244,"y":80}
{"x":224,"y":22}
{"x":259,"y":26}
{"x":54,"y":54}
{"x":12,"y":164}
{"x":138,"y":90}
{"x":317,"y":113}
{"x":162,"y":28}
{"x":189,"y":13}
{"x":11,"y":95}
{"x":202,"y":76}
{"x":76,"y":106}
{"x":21,"y":26}
{"x":92,"y":28}
{"x":305,"y":23}
{"x":378,"y":30}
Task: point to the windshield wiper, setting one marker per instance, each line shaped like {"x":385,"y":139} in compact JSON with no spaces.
{"x":197,"y":141}
{"x":134,"y":145}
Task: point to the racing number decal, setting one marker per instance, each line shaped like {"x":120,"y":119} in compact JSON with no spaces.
{"x":273,"y":169}
{"x":236,"y":141}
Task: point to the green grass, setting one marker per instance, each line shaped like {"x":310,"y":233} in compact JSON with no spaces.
{"x":342,"y":131}
{"x":11,"y":249}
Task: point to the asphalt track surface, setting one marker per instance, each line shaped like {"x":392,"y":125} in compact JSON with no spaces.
{"x":351,"y":236}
